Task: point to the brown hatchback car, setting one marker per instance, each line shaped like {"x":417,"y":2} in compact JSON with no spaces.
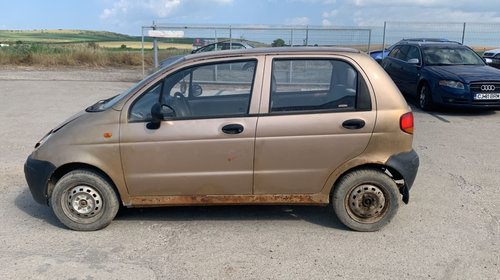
{"x":309,"y":126}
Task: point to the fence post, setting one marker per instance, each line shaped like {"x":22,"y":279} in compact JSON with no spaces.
{"x":307,"y":36}
{"x":369,"y":39}
{"x":383,"y":40}
{"x":142,"y":49}
{"x":155,"y":45}
{"x":463,"y":34}
{"x":291,"y":37}
{"x":230,"y":38}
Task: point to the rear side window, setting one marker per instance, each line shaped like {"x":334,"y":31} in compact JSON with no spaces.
{"x":299,"y":85}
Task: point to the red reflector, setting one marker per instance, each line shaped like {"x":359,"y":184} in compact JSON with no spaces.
{"x":406,"y":122}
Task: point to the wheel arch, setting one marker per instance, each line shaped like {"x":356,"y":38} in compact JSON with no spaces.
{"x":421,"y":83}
{"x":68,"y":167}
{"x":395,"y":175}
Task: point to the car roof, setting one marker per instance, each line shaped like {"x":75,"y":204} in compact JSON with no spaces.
{"x":427,"y":39}
{"x":430,"y":43}
{"x":265,"y":51}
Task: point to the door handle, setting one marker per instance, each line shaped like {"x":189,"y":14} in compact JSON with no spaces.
{"x":232,"y":128}
{"x":353,"y":124}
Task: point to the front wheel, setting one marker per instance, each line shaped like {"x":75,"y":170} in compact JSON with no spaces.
{"x":84,"y":200}
{"x":425,"y":98}
{"x":365,"y":199}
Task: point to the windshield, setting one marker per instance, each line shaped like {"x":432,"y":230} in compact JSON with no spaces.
{"x":105,"y":104}
{"x":450,"y":55}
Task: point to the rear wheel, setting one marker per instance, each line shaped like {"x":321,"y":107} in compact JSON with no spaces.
{"x":425,"y":98}
{"x":365,"y":199}
{"x":84,"y":200}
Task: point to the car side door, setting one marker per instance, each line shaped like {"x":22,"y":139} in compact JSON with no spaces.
{"x":393,"y":65}
{"x":410,"y":72}
{"x":316,"y":113}
{"x":205,"y":143}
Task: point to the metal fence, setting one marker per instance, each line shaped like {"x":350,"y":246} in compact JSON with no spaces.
{"x":264,"y":36}
{"x":476,"y":35}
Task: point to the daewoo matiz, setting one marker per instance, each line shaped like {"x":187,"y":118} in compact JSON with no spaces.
{"x":309,"y":126}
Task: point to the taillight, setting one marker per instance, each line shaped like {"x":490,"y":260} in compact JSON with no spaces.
{"x":406,"y":122}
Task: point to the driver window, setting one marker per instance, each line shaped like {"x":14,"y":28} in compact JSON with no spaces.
{"x":205,"y":91}
{"x":211,"y":90}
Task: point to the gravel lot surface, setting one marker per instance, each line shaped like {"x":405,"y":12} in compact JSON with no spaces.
{"x":450,"y":229}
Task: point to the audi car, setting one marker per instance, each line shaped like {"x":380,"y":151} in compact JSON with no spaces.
{"x":443,"y":73}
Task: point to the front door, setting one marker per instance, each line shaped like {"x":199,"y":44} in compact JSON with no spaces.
{"x":205,"y":145}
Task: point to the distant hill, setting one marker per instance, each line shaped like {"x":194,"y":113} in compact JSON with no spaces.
{"x":58,"y":36}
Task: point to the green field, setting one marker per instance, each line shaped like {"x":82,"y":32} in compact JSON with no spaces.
{"x":82,"y":48}
{"x":63,"y":36}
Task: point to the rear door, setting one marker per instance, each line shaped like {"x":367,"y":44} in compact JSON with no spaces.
{"x":316,"y":113}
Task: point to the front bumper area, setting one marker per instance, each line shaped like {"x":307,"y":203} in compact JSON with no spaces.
{"x":405,"y":164}
{"x":37,"y":173}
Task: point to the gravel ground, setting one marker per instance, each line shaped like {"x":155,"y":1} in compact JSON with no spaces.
{"x":448,"y":231}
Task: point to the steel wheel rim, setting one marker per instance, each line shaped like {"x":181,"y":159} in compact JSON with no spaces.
{"x":83,"y":201}
{"x":367,"y":203}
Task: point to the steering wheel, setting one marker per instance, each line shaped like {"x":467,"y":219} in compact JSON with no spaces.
{"x":182,"y":105}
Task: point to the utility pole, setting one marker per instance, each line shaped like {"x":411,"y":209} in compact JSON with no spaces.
{"x":155,"y":46}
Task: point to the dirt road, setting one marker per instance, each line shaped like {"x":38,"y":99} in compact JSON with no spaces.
{"x":450,"y":229}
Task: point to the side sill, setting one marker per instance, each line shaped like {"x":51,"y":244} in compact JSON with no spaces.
{"x":265,"y":199}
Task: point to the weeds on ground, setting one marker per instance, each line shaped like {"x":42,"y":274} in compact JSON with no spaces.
{"x":77,"y":55}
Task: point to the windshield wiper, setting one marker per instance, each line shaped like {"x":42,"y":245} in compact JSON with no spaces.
{"x":99,"y":105}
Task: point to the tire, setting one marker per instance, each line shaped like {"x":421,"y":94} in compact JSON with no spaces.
{"x":425,"y":98}
{"x":365,"y":199}
{"x":84,"y":200}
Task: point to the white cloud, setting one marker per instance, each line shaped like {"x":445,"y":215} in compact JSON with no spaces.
{"x":297,"y":21}
{"x":127,"y":11}
{"x":326,"y":22}
{"x":331,"y":13}
{"x":377,"y":15}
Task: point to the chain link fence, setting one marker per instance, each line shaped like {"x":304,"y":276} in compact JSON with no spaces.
{"x":479,"y":36}
{"x":264,"y":36}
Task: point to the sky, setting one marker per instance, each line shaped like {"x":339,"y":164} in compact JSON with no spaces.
{"x":127,"y":16}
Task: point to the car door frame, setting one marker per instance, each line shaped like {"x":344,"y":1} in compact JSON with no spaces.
{"x":144,"y":199}
{"x":370,"y":116}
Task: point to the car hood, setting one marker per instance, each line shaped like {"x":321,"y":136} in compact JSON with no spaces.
{"x":466,"y":73}
{"x":70,"y":119}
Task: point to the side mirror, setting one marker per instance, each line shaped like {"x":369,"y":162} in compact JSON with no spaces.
{"x":414,"y":61}
{"x":196,"y":90}
{"x":158,"y":113}
{"x":487,"y":60}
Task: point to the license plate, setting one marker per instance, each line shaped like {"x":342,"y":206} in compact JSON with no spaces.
{"x":486,"y":96}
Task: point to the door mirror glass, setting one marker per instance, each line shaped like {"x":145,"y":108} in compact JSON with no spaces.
{"x":196,"y":90}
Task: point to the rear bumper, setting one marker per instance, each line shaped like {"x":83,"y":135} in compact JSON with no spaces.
{"x":37,"y":173}
{"x":405,"y":164}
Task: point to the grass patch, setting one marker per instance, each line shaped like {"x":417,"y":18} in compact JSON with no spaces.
{"x":77,"y":55}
